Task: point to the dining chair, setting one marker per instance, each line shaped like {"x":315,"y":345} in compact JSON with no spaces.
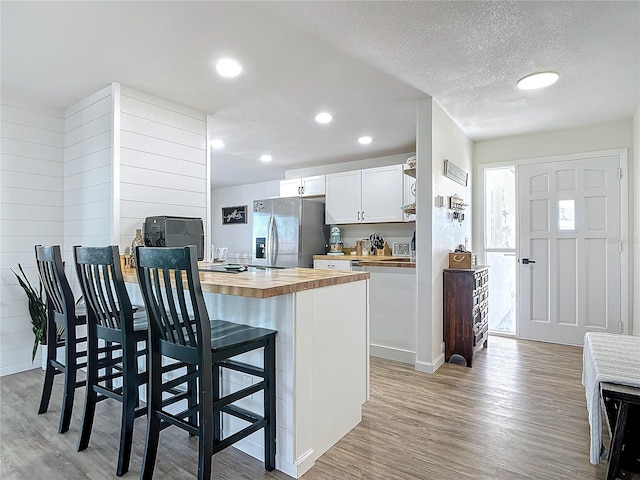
{"x":117,"y":338}
{"x":180,"y":329}
{"x":61,"y":312}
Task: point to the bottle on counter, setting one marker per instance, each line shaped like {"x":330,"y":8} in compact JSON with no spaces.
{"x":137,"y":241}
{"x":412,"y":247}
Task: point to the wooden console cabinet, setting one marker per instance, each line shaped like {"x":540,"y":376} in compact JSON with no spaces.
{"x":466,"y":309}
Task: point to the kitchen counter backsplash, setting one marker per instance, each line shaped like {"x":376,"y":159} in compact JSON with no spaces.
{"x":390,"y":232}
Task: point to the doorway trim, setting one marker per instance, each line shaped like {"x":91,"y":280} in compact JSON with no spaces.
{"x":623,"y":163}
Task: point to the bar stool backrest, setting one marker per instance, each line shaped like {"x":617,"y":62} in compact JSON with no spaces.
{"x":100,"y":277}
{"x":178,"y":319}
{"x":51,"y":269}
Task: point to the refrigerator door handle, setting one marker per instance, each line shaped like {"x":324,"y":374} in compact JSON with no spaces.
{"x":272,"y":237}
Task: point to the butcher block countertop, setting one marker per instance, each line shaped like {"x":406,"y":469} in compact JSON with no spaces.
{"x":371,"y":260}
{"x":267,"y":283}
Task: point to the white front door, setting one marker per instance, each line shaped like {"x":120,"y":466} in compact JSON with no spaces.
{"x":569,"y":225}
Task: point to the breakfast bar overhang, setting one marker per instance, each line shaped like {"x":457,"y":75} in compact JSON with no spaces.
{"x":322,"y":357}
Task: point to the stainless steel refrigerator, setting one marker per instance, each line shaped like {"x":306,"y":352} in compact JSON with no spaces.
{"x":287,"y":232}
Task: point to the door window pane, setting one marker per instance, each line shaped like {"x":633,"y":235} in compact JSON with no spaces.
{"x":502,"y":292}
{"x":500,"y":207}
{"x":566,"y":215}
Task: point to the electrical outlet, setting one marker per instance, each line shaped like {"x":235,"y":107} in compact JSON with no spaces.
{"x":442,"y":347}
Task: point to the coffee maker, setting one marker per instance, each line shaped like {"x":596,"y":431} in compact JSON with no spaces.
{"x":335,"y":242}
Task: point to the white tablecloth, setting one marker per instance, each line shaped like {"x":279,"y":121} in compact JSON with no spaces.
{"x":611,"y":358}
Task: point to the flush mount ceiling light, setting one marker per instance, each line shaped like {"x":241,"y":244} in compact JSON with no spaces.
{"x":217,"y":143}
{"x":324,"y":117}
{"x":266,"y":158}
{"x":537,"y":80}
{"x":365,"y":140}
{"x":228,"y":67}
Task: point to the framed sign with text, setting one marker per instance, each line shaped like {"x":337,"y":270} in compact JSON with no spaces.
{"x":233,"y":215}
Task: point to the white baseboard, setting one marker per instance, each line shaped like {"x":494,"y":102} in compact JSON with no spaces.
{"x":430,"y":367}
{"x":304,"y":462}
{"x":390,"y":353}
{"x":20,"y":367}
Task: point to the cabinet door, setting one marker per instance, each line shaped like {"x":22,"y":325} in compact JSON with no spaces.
{"x":382,"y":194}
{"x":312,"y":186}
{"x":343,"y":191}
{"x":290,"y":188}
{"x":332,"y":264}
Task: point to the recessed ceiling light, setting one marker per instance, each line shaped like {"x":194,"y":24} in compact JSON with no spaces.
{"x":217,"y":143}
{"x":324,"y":117}
{"x":537,"y":80}
{"x":266,"y":158}
{"x":228,"y":67}
{"x":365,"y":140}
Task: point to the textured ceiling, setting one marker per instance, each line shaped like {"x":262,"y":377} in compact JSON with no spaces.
{"x":366,"y":62}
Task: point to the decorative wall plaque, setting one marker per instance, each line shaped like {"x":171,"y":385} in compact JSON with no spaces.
{"x":455,"y":173}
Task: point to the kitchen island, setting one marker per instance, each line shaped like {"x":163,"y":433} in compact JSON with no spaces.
{"x":322,"y":357}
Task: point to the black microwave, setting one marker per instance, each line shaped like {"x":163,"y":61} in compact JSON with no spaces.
{"x":165,"y":231}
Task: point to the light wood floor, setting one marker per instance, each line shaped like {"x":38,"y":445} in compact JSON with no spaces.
{"x":518,"y":414}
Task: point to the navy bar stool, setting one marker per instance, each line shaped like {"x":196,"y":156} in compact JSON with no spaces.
{"x":180,"y":329}
{"x":61,"y":312}
{"x":110,"y":322}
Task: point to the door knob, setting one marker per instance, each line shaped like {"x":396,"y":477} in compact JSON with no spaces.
{"x":526,"y":261}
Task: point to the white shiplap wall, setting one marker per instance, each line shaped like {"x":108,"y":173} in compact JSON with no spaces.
{"x":163,"y":162}
{"x":31,"y":206}
{"x":87,"y":175}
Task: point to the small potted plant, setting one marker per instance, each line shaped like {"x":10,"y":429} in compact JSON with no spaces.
{"x":37,"y":311}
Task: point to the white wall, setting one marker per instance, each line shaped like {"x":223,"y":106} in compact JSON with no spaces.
{"x":437,"y":234}
{"x":31,"y":212}
{"x":348,"y":166}
{"x":449,"y":142}
{"x":559,"y":142}
{"x":238,"y":237}
{"x":635,"y":212}
{"x":424,"y":212}
{"x":87,"y":176}
{"x":162,"y":162}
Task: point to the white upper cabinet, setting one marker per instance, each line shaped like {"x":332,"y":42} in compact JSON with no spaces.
{"x":382,"y":194}
{"x":344,"y":194}
{"x":303,"y":187}
{"x":373,"y":195}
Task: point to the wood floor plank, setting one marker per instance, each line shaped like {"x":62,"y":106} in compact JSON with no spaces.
{"x":520,"y":413}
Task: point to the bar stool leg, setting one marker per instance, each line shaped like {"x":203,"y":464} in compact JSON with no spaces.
{"x":616,"y":443}
{"x":69,"y":378}
{"x":217,"y":423}
{"x":50,"y":370}
{"x":192,"y":399}
{"x":129,"y":399}
{"x":270,"y":406}
{"x":91,"y":397}
{"x":206,"y":429}
{"x":49,"y":374}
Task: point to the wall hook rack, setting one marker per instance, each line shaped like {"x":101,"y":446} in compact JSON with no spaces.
{"x":458,"y":206}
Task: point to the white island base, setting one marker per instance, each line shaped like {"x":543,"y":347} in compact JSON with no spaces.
{"x":322,"y":363}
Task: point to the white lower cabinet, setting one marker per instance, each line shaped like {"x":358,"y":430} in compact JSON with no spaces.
{"x":332,"y":264}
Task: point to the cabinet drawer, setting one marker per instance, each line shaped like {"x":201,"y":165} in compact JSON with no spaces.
{"x":332,"y":264}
